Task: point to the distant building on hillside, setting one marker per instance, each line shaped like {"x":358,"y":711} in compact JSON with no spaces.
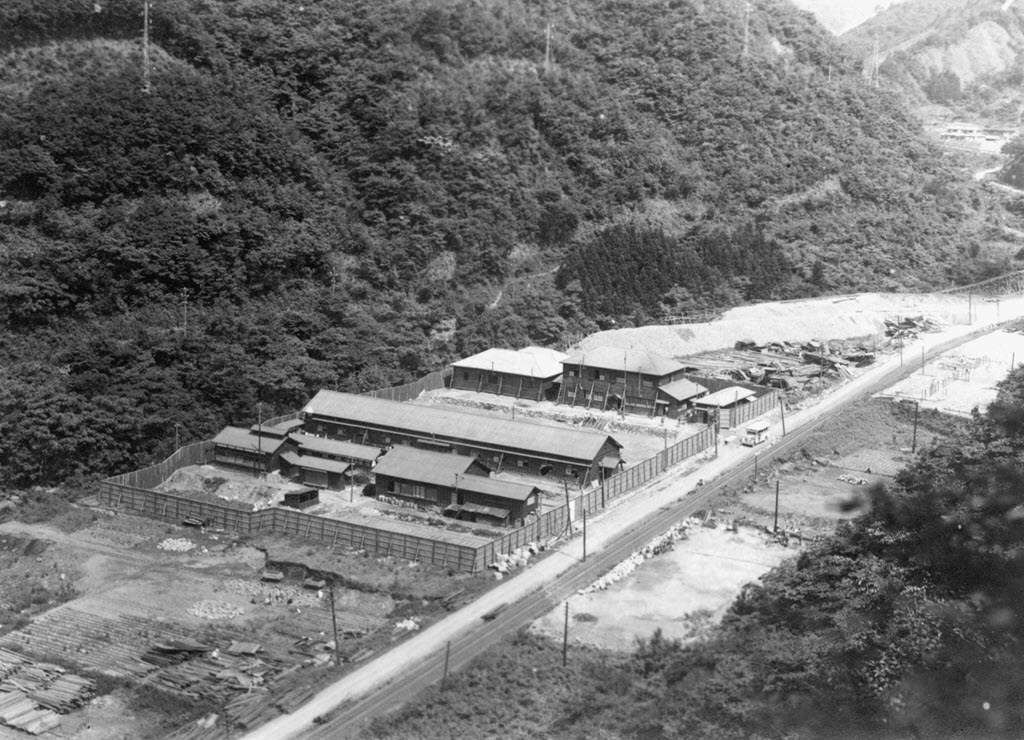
{"x":531,"y":372}
{"x":634,"y":381}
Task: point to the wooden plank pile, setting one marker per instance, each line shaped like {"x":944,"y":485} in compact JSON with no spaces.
{"x":784,"y":364}
{"x":20,"y":712}
{"x":33,"y":695}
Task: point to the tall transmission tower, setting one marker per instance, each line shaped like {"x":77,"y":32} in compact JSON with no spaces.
{"x":874,"y":65}
{"x":145,"y":47}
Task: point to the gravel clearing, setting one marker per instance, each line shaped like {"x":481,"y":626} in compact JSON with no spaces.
{"x":837,"y":317}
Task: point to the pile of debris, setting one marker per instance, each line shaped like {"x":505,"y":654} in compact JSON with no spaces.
{"x":176,"y":544}
{"x":657,"y":546}
{"x":273,"y":595}
{"x":908,"y":327}
{"x":852,"y":480}
{"x":215,"y":610}
{"x":518,"y":558}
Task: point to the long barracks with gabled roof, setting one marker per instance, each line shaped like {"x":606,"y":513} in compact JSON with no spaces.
{"x":502,"y":444}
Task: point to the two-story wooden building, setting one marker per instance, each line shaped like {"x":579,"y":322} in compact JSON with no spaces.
{"x":531,"y":372}
{"x":241,"y":448}
{"x":577,"y":455}
{"x":634,"y":381}
{"x":460,"y":486}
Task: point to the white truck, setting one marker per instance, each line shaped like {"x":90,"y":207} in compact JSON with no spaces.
{"x":757,"y":432}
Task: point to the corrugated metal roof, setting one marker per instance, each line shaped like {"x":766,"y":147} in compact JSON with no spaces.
{"x":243,"y":439}
{"x":683,"y":389}
{"x":310,"y":462}
{"x":485,"y":510}
{"x":633,"y":360}
{"x":538,"y":440}
{"x":435,"y":468}
{"x":319,"y":446}
{"x":496,"y":487}
{"x":725,"y":396}
{"x":277,"y":430}
{"x":530,"y":362}
{"x":440,"y":469}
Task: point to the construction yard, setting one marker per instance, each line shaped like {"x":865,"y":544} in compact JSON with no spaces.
{"x":149,"y":625}
{"x":685,"y":582}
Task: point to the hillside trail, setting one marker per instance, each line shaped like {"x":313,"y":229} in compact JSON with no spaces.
{"x":623,"y":514}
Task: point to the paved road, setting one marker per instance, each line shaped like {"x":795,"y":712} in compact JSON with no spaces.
{"x":390,"y":681}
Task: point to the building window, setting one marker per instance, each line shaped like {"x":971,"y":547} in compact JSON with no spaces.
{"x":572,"y":373}
{"x":596,"y":374}
{"x":465,"y":374}
{"x":522,"y":463}
{"x":492,"y":379}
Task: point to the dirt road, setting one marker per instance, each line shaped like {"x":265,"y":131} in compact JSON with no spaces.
{"x":644,"y":512}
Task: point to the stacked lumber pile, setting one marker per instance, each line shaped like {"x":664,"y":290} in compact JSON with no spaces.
{"x":20,"y":712}
{"x":33,"y":695}
{"x":252,"y":710}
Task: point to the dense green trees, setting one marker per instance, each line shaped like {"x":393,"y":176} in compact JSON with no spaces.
{"x":350,"y":193}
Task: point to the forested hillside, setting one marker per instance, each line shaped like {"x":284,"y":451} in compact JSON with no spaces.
{"x":904,"y":624}
{"x":348,"y":194}
{"x":965,"y":55}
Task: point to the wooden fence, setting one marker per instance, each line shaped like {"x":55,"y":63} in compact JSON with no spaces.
{"x":379,"y":540}
{"x":432,"y":382}
{"x":554,"y":522}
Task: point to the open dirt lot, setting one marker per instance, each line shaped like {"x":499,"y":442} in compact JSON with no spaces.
{"x":681,"y":591}
{"x":836,"y":317}
{"x":112,"y":591}
{"x":959,"y":381}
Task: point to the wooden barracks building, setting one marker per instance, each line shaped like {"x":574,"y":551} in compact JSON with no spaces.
{"x":461,"y":486}
{"x":635,"y":381}
{"x":531,"y":372}
{"x":573,"y":454}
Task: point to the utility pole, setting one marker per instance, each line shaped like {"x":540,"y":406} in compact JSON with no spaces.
{"x":259,"y":439}
{"x":565,"y":638}
{"x":913,"y":444}
{"x":447,"y":655}
{"x":755,"y":467}
{"x":782,"y":408}
{"x":145,"y":47}
{"x":775,"y":526}
{"x":746,"y":30}
{"x":334,"y":624}
{"x":547,"y":50}
{"x":568,"y":508}
{"x":177,"y":446}
{"x":584,"y":535}
{"x":184,"y":296}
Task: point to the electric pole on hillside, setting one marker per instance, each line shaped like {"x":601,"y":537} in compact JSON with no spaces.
{"x":547,"y":50}
{"x":874,"y":65}
{"x":746,"y":30}
{"x":145,"y":47}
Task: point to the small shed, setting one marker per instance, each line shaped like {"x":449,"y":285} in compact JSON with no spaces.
{"x":679,"y":396}
{"x":715,"y":404}
{"x":302,"y":499}
{"x":316,"y":471}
